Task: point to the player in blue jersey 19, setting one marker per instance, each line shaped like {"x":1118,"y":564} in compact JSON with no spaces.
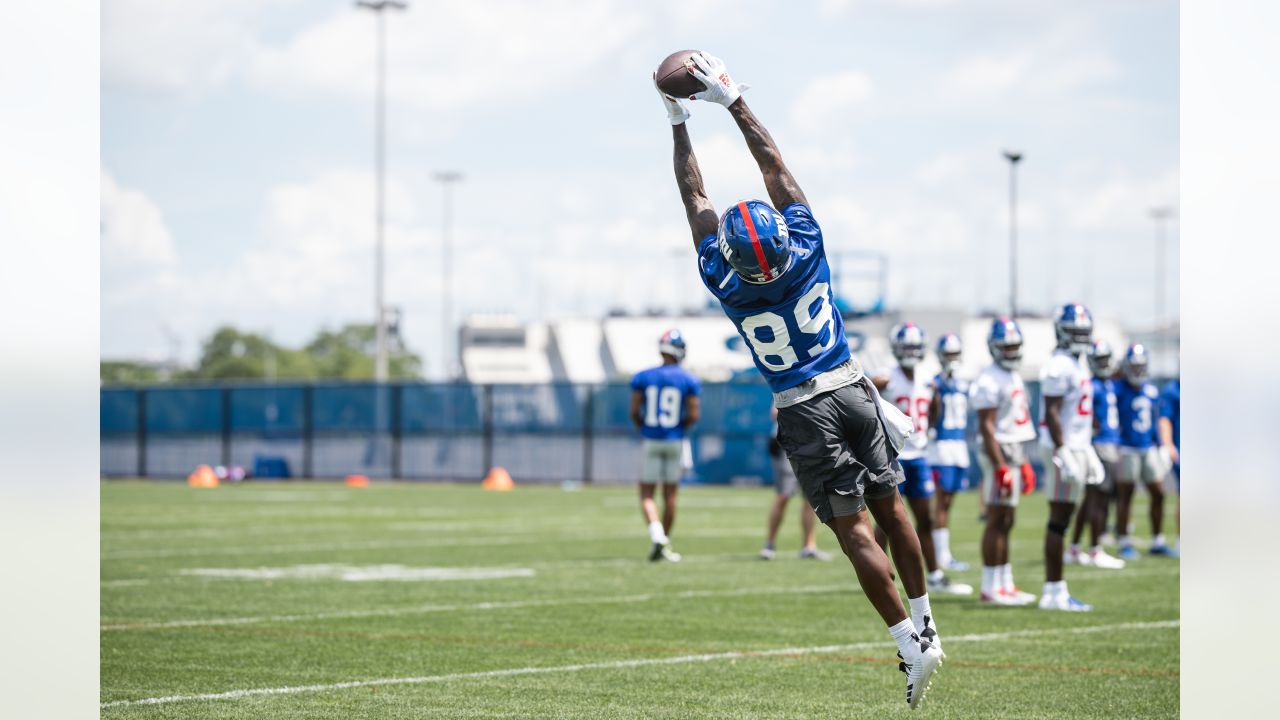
{"x":1140,"y":457}
{"x":1066,"y":389}
{"x":949,"y":450}
{"x":664,"y":405}
{"x":913,"y":394}
{"x":1106,"y":439}
{"x":768,"y":269}
{"x":1170,"y":433}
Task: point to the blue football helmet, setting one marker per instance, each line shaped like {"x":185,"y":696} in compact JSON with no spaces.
{"x":907,"y":344}
{"x":1100,"y":360}
{"x":672,"y":343}
{"x":1074,"y":328}
{"x":949,"y":348}
{"x":1135,"y":365}
{"x":1005,"y":343}
{"x":754,"y":239}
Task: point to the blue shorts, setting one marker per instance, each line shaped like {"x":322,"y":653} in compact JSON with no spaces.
{"x":919,"y":481}
{"x":950,"y":478}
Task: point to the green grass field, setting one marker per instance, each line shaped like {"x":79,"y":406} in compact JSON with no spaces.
{"x":301,"y":600}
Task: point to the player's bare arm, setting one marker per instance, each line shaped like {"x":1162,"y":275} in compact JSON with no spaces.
{"x":692,"y":410}
{"x":637,"y":408}
{"x":987,"y":427}
{"x":778,"y":181}
{"x":698,"y":209}
{"x":881,"y":382}
{"x":1165,"y":428}
{"x":935,"y":406}
{"x":1053,"y":418}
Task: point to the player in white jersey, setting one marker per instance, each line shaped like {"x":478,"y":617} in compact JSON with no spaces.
{"x":1066,"y":431}
{"x":912,"y":394}
{"x":1004,"y":423}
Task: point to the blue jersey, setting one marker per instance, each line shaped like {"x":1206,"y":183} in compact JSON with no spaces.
{"x":1171,"y":408}
{"x":1137,"y":407}
{"x":1107,"y":430}
{"x":790,"y":324}
{"x":665,"y":388}
{"x":953,"y":410}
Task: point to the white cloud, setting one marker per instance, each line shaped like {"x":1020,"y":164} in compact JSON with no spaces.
{"x":828,"y":101}
{"x":133,"y":229}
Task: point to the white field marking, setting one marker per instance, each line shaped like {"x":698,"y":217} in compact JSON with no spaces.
{"x":140,"y":553}
{"x":635,"y":662}
{"x":498,"y":605}
{"x":700,"y":501}
{"x":362,"y":573}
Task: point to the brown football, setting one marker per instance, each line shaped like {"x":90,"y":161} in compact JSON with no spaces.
{"x":674,"y":78}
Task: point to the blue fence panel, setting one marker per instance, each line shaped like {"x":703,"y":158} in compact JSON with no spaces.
{"x":441,"y":408}
{"x":271,"y":411}
{"x":184,"y":410}
{"x":118,"y":411}
{"x":361,"y":408}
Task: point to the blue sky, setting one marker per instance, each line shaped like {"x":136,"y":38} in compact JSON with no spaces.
{"x":237,"y":145}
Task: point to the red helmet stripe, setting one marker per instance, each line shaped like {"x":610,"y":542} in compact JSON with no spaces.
{"x":755,"y":240}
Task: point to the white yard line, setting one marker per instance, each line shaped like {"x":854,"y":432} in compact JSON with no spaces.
{"x":499,"y":605}
{"x":617,"y":664}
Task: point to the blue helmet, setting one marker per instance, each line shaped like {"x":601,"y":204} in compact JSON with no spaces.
{"x":1074,"y":328}
{"x":949,"y":349}
{"x":1100,"y":359}
{"x":1135,"y":364}
{"x":754,"y":240}
{"x":907,"y":343}
{"x":672,"y":343}
{"x":1005,"y":343}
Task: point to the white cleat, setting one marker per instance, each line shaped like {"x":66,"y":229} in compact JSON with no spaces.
{"x":767,"y":553}
{"x":998,"y":598}
{"x":1101,"y":559}
{"x":945,"y":586}
{"x":663,"y":551}
{"x":1063,"y":602}
{"x":920,"y":668}
{"x":815,"y":554}
{"x":1019,"y":597}
{"x":955,"y":565}
{"x":929,"y":634}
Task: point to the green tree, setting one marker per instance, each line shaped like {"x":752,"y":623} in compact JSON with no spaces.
{"x":348,"y":353}
{"x":128,"y":372}
{"x":230,"y":354}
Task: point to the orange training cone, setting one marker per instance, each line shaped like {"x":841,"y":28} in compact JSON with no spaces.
{"x":498,"y":480}
{"x":357,"y":481}
{"x":203,"y":477}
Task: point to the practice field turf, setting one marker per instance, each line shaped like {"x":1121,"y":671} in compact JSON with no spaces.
{"x":313,"y":600}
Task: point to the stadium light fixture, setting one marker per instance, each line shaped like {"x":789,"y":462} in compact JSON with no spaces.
{"x":1013,"y":157}
{"x":447,"y":179}
{"x":380,"y":309}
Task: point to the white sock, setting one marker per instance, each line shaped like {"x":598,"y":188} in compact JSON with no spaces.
{"x":1006,"y":577}
{"x":936,"y":576}
{"x":1125,"y":541}
{"x":656,"y":533}
{"x":989,"y":585}
{"x":1054,"y":589}
{"x":1075,"y":548}
{"x":1158,"y":540}
{"x":942,"y":545}
{"x":902,"y":634}
{"x":919,"y":610}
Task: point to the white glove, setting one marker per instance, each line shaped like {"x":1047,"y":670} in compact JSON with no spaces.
{"x":1065,"y":463}
{"x":710,"y":70}
{"x":1095,"y":472}
{"x":676,"y":111}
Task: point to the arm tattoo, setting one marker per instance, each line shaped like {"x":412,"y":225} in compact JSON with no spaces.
{"x":697,"y":207}
{"x":782,"y":187}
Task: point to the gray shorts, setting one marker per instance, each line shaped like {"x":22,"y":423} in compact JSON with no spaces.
{"x":837,"y":445}
{"x":1109,"y":454}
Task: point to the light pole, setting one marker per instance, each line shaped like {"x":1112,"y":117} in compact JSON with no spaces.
{"x":1160,"y":215}
{"x":1013,"y":158}
{"x":379,"y":307}
{"x":446,"y":178}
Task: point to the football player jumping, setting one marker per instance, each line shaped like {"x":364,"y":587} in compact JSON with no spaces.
{"x":768,"y":269}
